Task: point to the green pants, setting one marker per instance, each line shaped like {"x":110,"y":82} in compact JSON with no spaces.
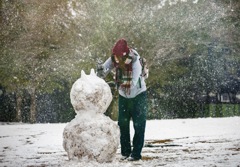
{"x":135,"y":108}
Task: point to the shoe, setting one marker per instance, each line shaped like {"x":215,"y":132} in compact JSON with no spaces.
{"x":133,"y":159}
{"x":124,"y":158}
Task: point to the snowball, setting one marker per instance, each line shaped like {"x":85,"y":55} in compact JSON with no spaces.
{"x":95,"y":139}
{"x":90,"y":93}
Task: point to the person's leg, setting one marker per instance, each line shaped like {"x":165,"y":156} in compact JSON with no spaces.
{"x":123,"y":122}
{"x":139,"y":123}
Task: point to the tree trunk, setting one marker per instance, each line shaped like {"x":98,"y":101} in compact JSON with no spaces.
{"x":230,"y":98}
{"x":234,"y":97}
{"x":19,"y":107}
{"x":33,"y":111}
{"x":207,"y":105}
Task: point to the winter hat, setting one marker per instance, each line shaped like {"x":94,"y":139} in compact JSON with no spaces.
{"x":120,"y":48}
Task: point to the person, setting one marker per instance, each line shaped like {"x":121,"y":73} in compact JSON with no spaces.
{"x":132,"y":98}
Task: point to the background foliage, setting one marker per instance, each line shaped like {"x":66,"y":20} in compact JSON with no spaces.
{"x":192,"y":48}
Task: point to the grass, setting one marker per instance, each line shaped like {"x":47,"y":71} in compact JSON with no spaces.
{"x":224,"y":110}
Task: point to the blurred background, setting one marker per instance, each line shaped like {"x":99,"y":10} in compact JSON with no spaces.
{"x":192,"y":48}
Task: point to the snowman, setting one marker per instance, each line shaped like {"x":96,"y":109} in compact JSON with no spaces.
{"x":91,"y":135}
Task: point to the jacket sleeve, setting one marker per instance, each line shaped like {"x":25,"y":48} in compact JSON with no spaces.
{"x":108,"y":66}
{"x":137,"y":69}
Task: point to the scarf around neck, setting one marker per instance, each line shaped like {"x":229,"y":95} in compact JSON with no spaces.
{"x":123,"y":76}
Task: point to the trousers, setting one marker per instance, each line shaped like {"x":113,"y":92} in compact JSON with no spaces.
{"x":135,"y":109}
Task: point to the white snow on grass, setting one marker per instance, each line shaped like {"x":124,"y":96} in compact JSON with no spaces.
{"x":172,"y":143}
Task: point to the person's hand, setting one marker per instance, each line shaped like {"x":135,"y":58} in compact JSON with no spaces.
{"x":100,"y":71}
{"x":112,"y":84}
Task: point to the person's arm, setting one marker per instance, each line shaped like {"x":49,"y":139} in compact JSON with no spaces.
{"x":105,"y":68}
{"x":137,"y":69}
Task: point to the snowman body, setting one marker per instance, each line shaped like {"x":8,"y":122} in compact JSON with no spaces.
{"x":91,"y":135}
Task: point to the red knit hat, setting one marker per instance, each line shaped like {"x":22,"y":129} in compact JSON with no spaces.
{"x":120,"y":48}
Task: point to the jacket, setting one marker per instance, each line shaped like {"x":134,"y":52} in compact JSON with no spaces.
{"x":138,"y":84}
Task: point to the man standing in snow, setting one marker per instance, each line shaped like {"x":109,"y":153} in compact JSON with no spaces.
{"x":132,"y":102}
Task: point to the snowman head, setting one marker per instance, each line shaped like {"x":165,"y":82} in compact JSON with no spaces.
{"x":90,"y":94}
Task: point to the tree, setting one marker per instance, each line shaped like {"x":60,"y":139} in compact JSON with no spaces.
{"x":44,"y":45}
{"x":39,"y":47}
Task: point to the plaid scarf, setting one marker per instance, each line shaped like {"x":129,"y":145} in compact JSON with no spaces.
{"x":123,"y":76}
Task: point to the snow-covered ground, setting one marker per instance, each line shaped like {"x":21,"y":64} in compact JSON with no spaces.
{"x":180,"y":142}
